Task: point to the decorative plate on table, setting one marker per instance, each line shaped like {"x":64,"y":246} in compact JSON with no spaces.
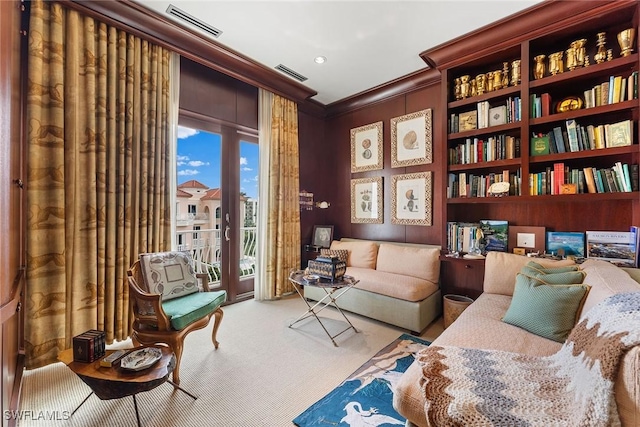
{"x":141,"y":359}
{"x":311,"y":278}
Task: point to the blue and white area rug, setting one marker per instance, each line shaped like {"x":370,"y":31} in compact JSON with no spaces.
{"x":366,"y":397}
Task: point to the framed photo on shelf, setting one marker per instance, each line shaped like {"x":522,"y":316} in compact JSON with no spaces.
{"x":366,"y":148}
{"x":366,"y":200}
{"x":411,"y":139}
{"x":524,"y":239}
{"x":322,"y":236}
{"x":411,"y":199}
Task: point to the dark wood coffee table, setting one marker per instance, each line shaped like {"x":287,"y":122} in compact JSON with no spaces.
{"x":116,"y":383}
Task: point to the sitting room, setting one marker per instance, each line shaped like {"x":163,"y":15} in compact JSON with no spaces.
{"x":311,"y":213}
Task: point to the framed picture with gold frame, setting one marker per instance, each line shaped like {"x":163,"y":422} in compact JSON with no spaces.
{"x":411,"y":199}
{"x":366,"y":200}
{"x":366,"y":148}
{"x":411,"y":139}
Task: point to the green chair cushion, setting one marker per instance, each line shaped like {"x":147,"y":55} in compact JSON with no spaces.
{"x":551,"y":270}
{"x":546,"y":310}
{"x":187,"y":309}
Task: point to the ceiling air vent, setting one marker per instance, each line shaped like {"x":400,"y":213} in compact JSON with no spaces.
{"x":288,"y":71}
{"x":181,"y":14}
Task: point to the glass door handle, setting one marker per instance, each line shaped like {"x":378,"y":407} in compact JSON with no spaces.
{"x":226,"y":233}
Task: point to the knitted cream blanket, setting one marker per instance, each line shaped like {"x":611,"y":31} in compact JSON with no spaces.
{"x":574,"y":387}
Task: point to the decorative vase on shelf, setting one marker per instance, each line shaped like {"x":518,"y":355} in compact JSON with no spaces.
{"x":515,"y":72}
{"x":571,"y":58}
{"x":505,"y":74}
{"x":625,"y":40}
{"x":556,"y":66}
{"x":581,"y":51}
{"x":538,"y":67}
{"x":601,"y":54}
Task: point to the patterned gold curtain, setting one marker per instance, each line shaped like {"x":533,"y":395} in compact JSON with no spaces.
{"x":283,"y":218}
{"x":97,"y":108}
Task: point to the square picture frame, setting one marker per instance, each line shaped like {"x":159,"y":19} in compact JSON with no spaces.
{"x":366,"y":148}
{"x":412,"y":139}
{"x":411,"y":199}
{"x":322,"y":236}
{"x":366,"y":201}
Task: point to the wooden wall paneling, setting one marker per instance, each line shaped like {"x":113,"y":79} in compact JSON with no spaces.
{"x":212,"y":96}
{"x":317,"y":163}
{"x":12,"y":256}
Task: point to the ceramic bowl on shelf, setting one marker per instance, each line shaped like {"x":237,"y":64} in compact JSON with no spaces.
{"x":311,"y":278}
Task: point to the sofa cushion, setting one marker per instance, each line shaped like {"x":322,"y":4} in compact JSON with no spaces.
{"x":550,"y":311}
{"x":342,"y":254}
{"x":501,"y":268}
{"x":422,"y":263}
{"x":532,"y":265}
{"x":605,"y":279}
{"x":169,"y":273}
{"x":406,"y":288}
{"x":361,"y":254}
{"x":187,"y":309}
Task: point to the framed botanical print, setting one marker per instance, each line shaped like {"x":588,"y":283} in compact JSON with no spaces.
{"x":411,"y":139}
{"x":366,"y":148}
{"x":366,"y":200}
{"x":411,"y":199}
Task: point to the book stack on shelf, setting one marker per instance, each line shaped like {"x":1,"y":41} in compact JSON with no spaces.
{"x":616,"y":89}
{"x":573,"y":137}
{"x":475,"y":150}
{"x":481,"y":236}
{"x":466,"y":184}
{"x":485,"y":115}
{"x":561,"y":179}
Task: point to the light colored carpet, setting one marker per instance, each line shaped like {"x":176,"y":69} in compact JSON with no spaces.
{"x":263,"y":374}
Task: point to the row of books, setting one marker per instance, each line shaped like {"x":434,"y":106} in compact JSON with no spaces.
{"x":575,"y":137}
{"x":485,"y":116}
{"x":89,"y":346}
{"x":475,"y":150}
{"x":561,"y":179}
{"x":465,"y":184}
{"x":616,"y":89}
{"x":618,"y":247}
{"x":477,"y":237}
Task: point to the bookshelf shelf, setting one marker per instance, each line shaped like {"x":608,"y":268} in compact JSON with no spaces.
{"x":595,"y":126}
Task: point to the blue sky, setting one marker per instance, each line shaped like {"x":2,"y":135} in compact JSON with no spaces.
{"x":199,"y":158}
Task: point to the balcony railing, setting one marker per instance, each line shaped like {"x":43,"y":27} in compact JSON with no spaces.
{"x":204,"y":246}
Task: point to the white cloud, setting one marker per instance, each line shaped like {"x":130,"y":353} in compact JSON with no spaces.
{"x":247,"y":169}
{"x":184,"y":132}
{"x":182,"y":160}
{"x":198,"y":163}
{"x":243,"y":161}
{"x":187,"y":172}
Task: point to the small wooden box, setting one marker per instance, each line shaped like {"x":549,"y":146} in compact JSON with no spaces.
{"x":327,"y":267}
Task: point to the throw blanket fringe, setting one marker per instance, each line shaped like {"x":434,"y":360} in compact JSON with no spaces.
{"x":574,"y":387}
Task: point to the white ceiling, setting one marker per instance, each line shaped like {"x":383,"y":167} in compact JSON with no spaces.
{"x":366,"y":43}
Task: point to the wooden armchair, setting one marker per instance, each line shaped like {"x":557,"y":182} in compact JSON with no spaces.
{"x":168,"y":302}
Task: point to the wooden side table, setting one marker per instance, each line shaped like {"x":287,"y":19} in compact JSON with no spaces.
{"x":461,"y":276}
{"x":116,"y":383}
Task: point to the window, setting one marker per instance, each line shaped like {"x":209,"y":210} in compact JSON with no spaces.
{"x":192,"y":209}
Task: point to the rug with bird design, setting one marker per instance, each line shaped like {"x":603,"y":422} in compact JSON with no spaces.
{"x":365,"y":398}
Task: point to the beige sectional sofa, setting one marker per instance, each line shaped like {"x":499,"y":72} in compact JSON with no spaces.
{"x":480,"y":326}
{"x":398,"y":282}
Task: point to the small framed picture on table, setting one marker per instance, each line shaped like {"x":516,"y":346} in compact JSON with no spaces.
{"x":322,"y":236}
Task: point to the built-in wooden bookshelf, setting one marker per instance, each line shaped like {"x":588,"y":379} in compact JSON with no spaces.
{"x":556,"y":29}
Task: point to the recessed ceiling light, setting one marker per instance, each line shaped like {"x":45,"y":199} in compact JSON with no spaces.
{"x":320,"y":59}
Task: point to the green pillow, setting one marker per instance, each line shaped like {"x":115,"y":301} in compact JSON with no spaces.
{"x":566,"y":278}
{"x":549,"y":311}
{"x":550,"y":270}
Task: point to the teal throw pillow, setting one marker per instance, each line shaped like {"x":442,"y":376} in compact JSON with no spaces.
{"x":549,"y":311}
{"x":566,"y":278}
{"x":551,"y":270}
